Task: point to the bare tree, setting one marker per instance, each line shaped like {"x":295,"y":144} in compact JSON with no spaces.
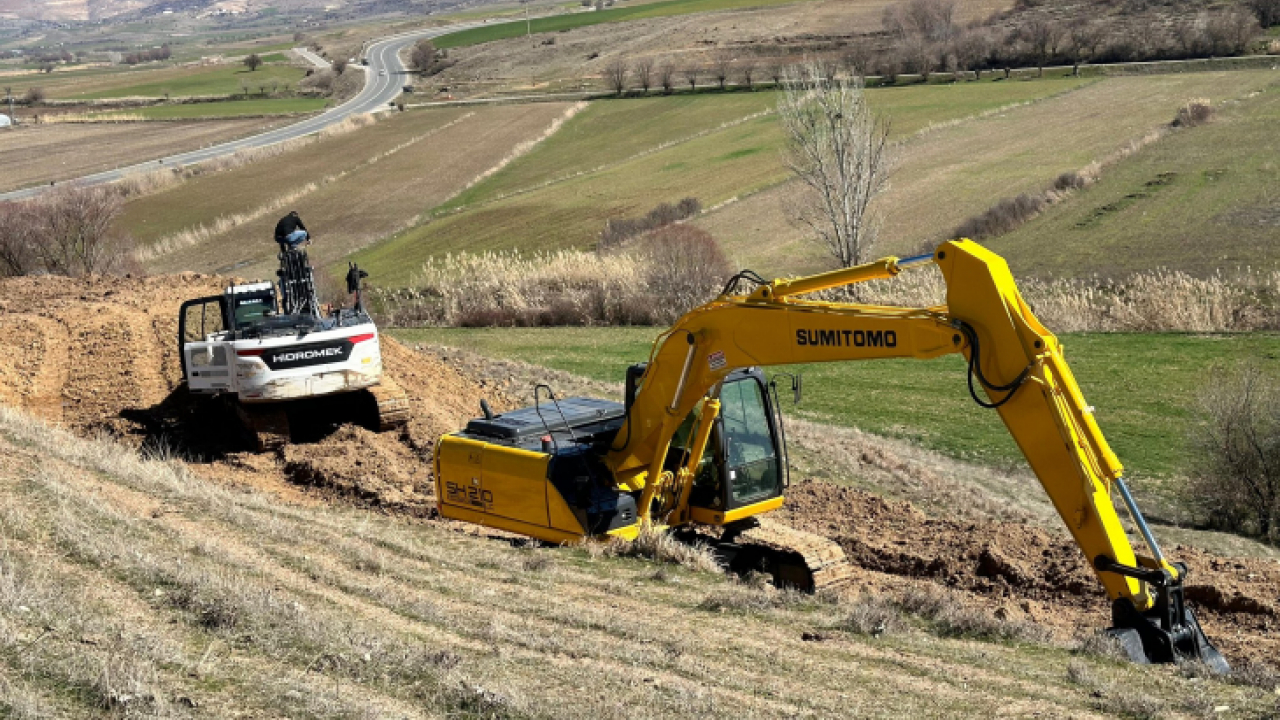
{"x":615,"y":74}
{"x":748,"y":72}
{"x":838,"y":149}
{"x":1041,"y":37}
{"x":720,"y":68}
{"x":691,"y":75}
{"x":1268,"y":11}
{"x":35,"y":95}
{"x":644,"y":74}
{"x":889,"y":65}
{"x":972,"y":50}
{"x":1231,"y":31}
{"x":423,"y":57}
{"x":18,"y":234}
{"x":253,"y":62}
{"x":666,"y":77}
{"x":340,"y":65}
{"x":776,"y":72}
{"x":923,"y":56}
{"x":856,"y":58}
{"x":933,"y":20}
{"x":1082,"y":42}
{"x":64,"y":231}
{"x":1238,"y":481}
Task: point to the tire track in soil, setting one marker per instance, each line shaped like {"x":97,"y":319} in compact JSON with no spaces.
{"x":106,"y":375}
{"x":33,"y":375}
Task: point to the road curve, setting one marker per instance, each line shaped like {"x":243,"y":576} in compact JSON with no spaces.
{"x":384,"y":79}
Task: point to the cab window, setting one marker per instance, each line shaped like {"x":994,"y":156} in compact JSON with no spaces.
{"x":751,"y":459}
{"x":251,"y":312}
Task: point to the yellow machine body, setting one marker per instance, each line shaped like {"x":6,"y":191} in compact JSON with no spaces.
{"x":699,"y":423}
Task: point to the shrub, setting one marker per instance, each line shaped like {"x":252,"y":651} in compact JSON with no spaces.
{"x":1193,"y":114}
{"x":1238,"y":481}
{"x":874,"y":616}
{"x":1005,"y":216}
{"x":64,"y":231}
{"x":617,"y":230}
{"x":652,"y":281}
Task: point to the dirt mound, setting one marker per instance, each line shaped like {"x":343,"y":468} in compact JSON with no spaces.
{"x":356,"y":463}
{"x":101,"y":353}
{"x":1041,"y":572}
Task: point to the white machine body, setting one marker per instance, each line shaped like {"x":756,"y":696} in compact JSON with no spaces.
{"x":232,"y":344}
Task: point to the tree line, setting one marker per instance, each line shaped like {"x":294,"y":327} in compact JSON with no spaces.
{"x":924,"y":37}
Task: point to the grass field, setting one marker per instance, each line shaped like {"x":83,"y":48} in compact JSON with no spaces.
{"x":143,"y":587}
{"x":218,"y":80}
{"x":1143,"y":385}
{"x":152,"y":81}
{"x":620,"y":158}
{"x":557,"y":23}
{"x":232,"y":108}
{"x":1203,"y":198}
{"x":952,"y":173}
{"x":351,"y":190}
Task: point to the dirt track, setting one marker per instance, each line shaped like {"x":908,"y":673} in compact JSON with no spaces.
{"x":100,"y":355}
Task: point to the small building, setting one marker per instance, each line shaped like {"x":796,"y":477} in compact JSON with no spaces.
{"x":5,"y":121}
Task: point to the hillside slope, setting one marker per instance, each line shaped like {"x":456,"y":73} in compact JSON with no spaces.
{"x":244,"y":566}
{"x":195,"y":600}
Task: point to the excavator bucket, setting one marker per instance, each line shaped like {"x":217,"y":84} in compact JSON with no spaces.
{"x":1169,"y":632}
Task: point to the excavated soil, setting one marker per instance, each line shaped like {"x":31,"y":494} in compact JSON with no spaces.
{"x":1029,"y":570}
{"x":101,"y":355}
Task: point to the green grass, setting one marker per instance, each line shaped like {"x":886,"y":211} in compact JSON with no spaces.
{"x":622,"y":157}
{"x":1143,"y":385}
{"x":559,"y":23}
{"x":1201,"y":199}
{"x":231,"y":108}
{"x":219,"y":80}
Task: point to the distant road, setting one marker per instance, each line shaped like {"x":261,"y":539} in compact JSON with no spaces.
{"x":313,"y":58}
{"x":383,"y":82}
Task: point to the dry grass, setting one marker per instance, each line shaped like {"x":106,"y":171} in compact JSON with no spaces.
{"x":196,"y":594}
{"x":566,"y":287}
{"x":581,"y":288}
{"x":1155,"y":301}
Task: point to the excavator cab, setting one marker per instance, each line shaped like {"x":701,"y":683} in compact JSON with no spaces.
{"x":745,"y":461}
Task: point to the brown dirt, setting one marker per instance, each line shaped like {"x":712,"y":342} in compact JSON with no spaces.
{"x":1020,"y":567}
{"x":100,"y":354}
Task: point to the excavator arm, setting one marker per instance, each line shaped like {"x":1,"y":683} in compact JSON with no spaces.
{"x":1016,"y":367}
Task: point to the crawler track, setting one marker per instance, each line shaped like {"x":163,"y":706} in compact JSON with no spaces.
{"x":794,"y":558}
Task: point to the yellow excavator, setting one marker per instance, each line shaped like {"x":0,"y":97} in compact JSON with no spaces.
{"x":699,"y":441}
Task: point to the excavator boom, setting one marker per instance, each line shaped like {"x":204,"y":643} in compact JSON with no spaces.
{"x":699,"y":442}
{"x":1017,"y":363}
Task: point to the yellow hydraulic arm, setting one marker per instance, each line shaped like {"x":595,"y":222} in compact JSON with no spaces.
{"x":1017,"y":363}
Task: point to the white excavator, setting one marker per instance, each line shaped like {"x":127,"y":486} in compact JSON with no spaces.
{"x":282,"y":360}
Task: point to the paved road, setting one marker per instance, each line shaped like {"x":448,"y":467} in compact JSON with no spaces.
{"x":384,"y":80}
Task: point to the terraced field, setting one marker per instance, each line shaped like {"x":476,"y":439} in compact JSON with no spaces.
{"x":1203,"y":198}
{"x":351,"y":190}
{"x":951,"y":173}
{"x":620,"y":158}
{"x":38,"y":155}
